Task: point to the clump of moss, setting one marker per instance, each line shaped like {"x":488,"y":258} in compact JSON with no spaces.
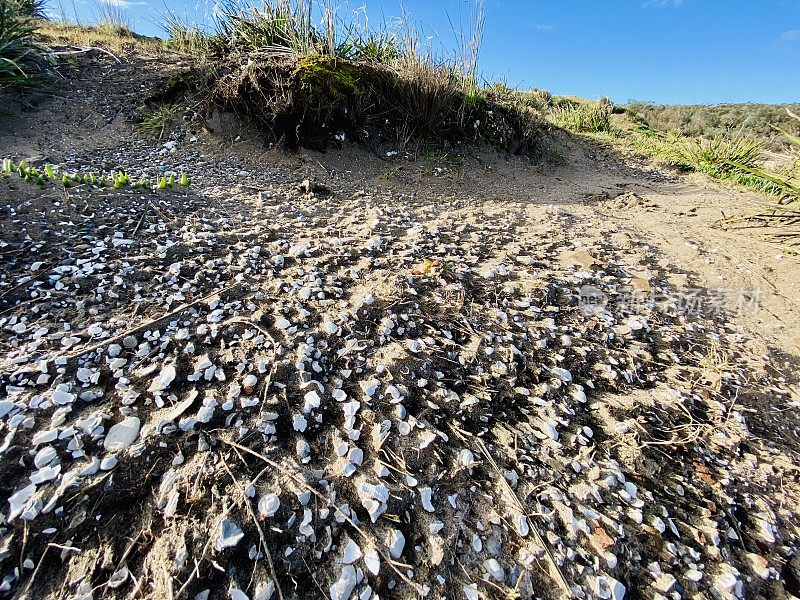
{"x":325,"y":72}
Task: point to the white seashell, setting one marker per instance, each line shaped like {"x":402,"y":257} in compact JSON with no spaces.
{"x":19,"y":500}
{"x":694,"y":575}
{"x":330,"y":327}
{"x":435,"y":527}
{"x":122,"y":435}
{"x":44,"y":457}
{"x":373,"y":561}
{"x":344,"y":586}
{"x":164,"y":379}
{"x":119,"y":577}
{"x":356,"y":456}
{"x":306,"y":528}
{"x":172,"y":503}
{"x":84,"y":375}
{"x":268,"y":505}
{"x":396,"y":542}
{"x":339,"y":395}
{"x":229,"y":535}
{"x":635,"y":323}
{"x":62,"y":397}
{"x":249,"y":383}
{"x":303,"y":449}
{"x":394,"y":392}
{"x":415,"y":346}
{"x":562,"y":374}
{"x":494,"y":569}
{"x":549,"y":429}
{"x":237,"y":594}
{"x":91,"y":469}
{"x":522,"y":525}
{"x":471,"y":591}
{"x":108,"y":463}
{"x":312,"y":401}
{"x":466,"y":458}
{"x":266,"y":591}
{"x":45,"y":474}
{"x":425,"y":495}
{"x":371,"y":387}
{"x":352,"y":552}
{"x":299,"y":423}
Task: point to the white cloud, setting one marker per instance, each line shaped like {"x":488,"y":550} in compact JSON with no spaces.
{"x":121,"y":3}
{"x":545,"y":27}
{"x":661,"y":3}
{"x":790,"y":36}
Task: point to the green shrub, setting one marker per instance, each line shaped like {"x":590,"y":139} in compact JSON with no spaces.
{"x":709,"y":121}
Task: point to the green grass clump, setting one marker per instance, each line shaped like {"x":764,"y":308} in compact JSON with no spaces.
{"x":788,"y":182}
{"x":308,"y":83}
{"x":22,"y":62}
{"x":584,"y":117}
{"x":157,"y":120}
{"x":715,"y":156}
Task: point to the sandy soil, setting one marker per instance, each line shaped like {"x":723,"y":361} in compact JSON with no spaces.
{"x":401,"y":352}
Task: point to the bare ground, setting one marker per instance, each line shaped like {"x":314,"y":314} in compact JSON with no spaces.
{"x":414,"y":327}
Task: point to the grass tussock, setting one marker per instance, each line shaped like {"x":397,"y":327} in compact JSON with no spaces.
{"x":22,"y":61}
{"x":782,"y":220}
{"x":584,"y":116}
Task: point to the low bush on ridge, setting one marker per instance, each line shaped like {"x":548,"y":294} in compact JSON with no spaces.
{"x":314,"y":85}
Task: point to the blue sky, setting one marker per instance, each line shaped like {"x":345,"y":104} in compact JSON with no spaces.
{"x":669,"y":51}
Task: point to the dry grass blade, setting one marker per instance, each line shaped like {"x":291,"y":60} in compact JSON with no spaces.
{"x":554,"y":570}
{"x":263,"y":539}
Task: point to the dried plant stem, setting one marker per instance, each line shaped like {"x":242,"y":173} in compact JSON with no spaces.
{"x":258,"y":527}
